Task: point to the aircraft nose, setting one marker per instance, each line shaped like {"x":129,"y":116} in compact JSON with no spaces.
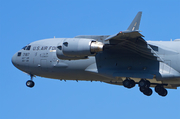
{"x":13,"y":60}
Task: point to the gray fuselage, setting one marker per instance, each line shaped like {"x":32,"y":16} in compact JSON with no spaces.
{"x":41,"y":60}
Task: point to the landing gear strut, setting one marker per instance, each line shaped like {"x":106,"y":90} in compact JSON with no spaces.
{"x":30,"y":83}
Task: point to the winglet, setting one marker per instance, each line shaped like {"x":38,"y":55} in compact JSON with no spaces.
{"x":134,"y":26}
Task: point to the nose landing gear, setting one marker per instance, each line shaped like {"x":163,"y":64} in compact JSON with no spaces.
{"x":30,"y":83}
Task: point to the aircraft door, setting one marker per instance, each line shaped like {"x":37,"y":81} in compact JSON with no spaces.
{"x":36,"y":59}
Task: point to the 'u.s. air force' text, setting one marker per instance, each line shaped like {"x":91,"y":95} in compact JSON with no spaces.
{"x":35,"y":48}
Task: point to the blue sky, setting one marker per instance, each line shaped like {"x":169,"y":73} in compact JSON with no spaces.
{"x":22,"y":22}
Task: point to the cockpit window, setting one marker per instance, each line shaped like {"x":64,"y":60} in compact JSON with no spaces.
{"x":19,"y":54}
{"x":24,"y":47}
{"x":28,"y":47}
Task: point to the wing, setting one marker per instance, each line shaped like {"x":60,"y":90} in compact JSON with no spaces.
{"x":131,"y":41}
{"x":127,"y":54}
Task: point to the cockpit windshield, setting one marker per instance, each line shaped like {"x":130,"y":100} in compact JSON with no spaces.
{"x":28,"y":47}
{"x":24,"y":47}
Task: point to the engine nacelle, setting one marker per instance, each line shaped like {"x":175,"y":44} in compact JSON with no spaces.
{"x":76,"y":48}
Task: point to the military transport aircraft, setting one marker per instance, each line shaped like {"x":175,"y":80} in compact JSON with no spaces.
{"x":121,"y":59}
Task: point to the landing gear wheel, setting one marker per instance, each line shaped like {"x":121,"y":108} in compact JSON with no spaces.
{"x":163,"y":93}
{"x":158,"y":88}
{"x":132,"y":83}
{"x":146,"y":91}
{"x":30,"y":83}
{"x":144,"y":83}
{"x":142,"y":89}
{"x":161,"y":90}
{"x":148,"y":83}
{"x":128,"y":83}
